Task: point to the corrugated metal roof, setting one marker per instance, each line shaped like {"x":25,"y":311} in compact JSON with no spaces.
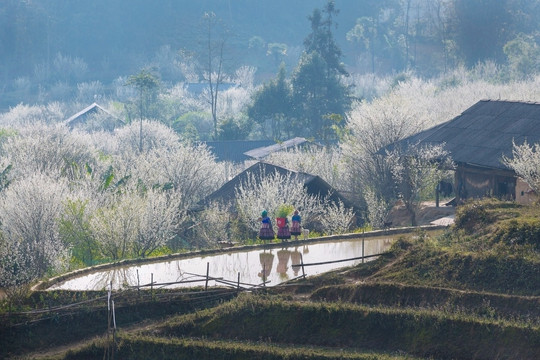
{"x":483,"y":133}
{"x":262,"y":152}
{"x":233,"y":150}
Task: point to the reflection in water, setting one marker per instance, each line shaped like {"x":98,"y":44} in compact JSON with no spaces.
{"x":267,"y":260}
{"x":251,"y":265}
{"x":296,"y":259}
{"x":119,"y":276}
{"x":283,"y":258}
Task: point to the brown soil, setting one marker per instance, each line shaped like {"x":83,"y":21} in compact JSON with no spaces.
{"x":428,"y":212}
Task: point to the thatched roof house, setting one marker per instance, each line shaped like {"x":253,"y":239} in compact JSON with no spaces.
{"x":477,"y":141}
{"x":313,"y":184}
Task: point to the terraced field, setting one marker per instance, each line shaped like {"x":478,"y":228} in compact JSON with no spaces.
{"x":471,"y":293}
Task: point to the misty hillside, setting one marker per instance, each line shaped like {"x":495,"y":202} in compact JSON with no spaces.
{"x":47,"y":44}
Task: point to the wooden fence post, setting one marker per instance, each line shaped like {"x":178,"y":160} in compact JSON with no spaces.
{"x":238,"y":283}
{"x":363,"y":239}
{"x":207,"y":274}
{"x":302,"y":263}
{"x":138,"y":284}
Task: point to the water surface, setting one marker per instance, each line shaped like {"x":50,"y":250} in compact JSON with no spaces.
{"x":254,"y":266}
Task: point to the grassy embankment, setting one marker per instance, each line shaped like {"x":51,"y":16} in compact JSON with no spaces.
{"x":473,"y":292}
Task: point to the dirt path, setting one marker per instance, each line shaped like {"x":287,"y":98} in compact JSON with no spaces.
{"x":428,"y":212}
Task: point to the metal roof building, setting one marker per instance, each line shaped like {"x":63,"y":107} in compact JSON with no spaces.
{"x":262,"y":152}
{"x":234,"y":150}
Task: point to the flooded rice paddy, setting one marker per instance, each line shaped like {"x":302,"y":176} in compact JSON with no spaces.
{"x":249,"y":266}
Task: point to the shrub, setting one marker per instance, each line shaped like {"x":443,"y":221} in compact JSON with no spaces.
{"x":284,"y":210}
{"x":471,"y":216}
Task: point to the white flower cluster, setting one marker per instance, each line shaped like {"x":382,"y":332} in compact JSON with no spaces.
{"x":67,"y":193}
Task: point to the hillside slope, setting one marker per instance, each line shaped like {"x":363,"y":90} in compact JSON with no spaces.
{"x":471,"y":293}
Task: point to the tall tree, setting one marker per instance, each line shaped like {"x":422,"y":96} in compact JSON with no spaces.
{"x":416,"y":170}
{"x":146,"y":83}
{"x":272,"y":103}
{"x":321,"y":39}
{"x":481,"y":29}
{"x":319,"y":98}
{"x":213,"y":63}
{"x":377,"y":31}
{"x":319,"y":95}
{"x":441,"y":20}
{"x":523,"y":54}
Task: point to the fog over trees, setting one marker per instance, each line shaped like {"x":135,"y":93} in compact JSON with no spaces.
{"x":354,"y":75}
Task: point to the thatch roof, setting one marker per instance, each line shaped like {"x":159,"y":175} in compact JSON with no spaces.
{"x":483,"y":133}
{"x":313,"y":184}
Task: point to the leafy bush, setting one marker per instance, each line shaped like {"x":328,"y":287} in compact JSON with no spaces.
{"x":472,"y":216}
{"x":284,"y":210}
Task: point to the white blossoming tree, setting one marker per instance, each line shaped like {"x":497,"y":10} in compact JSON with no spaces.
{"x":418,"y":169}
{"x":270,"y":191}
{"x":337,"y":219}
{"x":49,"y":149}
{"x":29,"y":211}
{"x":214,"y":223}
{"x":115,"y":226}
{"x":159,"y":219}
{"x":525,"y":161}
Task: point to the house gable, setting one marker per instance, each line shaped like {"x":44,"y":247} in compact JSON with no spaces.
{"x":82,"y":117}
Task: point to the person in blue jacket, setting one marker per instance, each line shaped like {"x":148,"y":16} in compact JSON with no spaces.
{"x":266,"y":232}
{"x":296,"y":228}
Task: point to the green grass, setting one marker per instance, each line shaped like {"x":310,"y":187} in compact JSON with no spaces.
{"x":498,"y":252}
{"x":472,"y":291}
{"x":147,"y":347}
{"x":516,"y":309}
{"x":422,"y":332}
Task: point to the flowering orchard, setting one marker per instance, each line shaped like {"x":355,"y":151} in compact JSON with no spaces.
{"x":71,"y":198}
{"x":74,"y":198}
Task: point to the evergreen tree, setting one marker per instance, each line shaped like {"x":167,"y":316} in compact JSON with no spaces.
{"x":320,"y":98}
{"x":272,"y":103}
{"x":321,"y":39}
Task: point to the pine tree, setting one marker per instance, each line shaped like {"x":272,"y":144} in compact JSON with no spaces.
{"x":320,"y":97}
